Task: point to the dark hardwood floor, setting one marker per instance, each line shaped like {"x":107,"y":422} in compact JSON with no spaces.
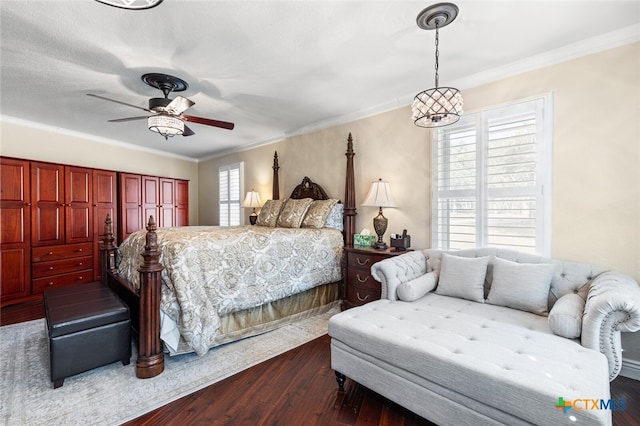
{"x":296,"y":388}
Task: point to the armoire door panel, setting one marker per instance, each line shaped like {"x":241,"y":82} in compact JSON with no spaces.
{"x":78,"y":202}
{"x":14,"y":270}
{"x":150,"y":199}
{"x":15,"y":229}
{"x":130,"y":210}
{"x":167,"y":203}
{"x":47,"y":199}
{"x":182,"y":203}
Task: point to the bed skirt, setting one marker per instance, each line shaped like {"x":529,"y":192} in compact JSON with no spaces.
{"x":267,"y":317}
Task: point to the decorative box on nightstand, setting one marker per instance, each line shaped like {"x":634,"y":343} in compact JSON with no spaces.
{"x":359,"y":286}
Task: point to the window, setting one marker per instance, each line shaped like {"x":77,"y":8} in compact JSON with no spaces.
{"x":230,"y":181}
{"x":491,"y":176}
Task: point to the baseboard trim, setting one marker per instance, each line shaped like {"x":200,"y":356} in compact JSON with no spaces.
{"x":630,"y":368}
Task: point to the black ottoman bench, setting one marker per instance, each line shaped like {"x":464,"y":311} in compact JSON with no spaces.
{"x":87,"y":326}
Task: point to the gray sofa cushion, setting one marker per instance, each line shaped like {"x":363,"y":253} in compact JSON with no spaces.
{"x":523,"y":286}
{"x":463,"y":277}
{"x":565,"y":318}
{"x":418,"y":287}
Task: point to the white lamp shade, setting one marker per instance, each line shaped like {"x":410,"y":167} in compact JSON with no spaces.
{"x":252,"y":200}
{"x":379,"y":195}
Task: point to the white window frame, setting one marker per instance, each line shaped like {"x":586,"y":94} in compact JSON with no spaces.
{"x":543,"y":171}
{"x":230,"y":201}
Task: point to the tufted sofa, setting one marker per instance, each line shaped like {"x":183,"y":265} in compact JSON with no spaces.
{"x":490,"y":336}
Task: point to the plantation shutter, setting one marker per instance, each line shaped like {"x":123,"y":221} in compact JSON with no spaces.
{"x":490,"y":171}
{"x":230,"y":182}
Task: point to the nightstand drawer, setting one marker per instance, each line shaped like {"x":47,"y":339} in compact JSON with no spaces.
{"x":358,"y":295}
{"x":362,"y":278}
{"x":358,"y":260}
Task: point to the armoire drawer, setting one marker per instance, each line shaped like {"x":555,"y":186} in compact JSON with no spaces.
{"x":47,"y":253}
{"x":56,"y":267}
{"x":74,"y":278}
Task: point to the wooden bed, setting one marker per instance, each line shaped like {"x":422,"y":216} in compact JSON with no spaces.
{"x":144,"y":304}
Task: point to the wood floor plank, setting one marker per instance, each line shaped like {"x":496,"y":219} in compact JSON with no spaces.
{"x":297,"y":387}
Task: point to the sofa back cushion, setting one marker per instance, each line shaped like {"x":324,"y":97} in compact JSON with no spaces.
{"x":523,"y":286}
{"x":463,"y":277}
{"x":569,"y":278}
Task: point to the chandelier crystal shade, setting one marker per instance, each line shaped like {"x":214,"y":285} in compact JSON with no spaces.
{"x":167,"y":125}
{"x":439,"y":106}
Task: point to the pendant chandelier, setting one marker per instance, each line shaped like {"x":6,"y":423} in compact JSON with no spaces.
{"x":439,"y":106}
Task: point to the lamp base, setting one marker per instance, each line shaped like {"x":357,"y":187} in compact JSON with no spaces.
{"x":380,"y":225}
{"x":253,"y":217}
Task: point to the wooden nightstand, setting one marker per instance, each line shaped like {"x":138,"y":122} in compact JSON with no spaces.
{"x":359,"y":286}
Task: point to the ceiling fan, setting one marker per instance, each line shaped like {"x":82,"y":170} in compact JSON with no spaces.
{"x":166,"y":115}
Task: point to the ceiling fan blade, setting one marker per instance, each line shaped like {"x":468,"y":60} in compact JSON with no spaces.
{"x":188,"y":131}
{"x":179,"y":105}
{"x":120,"y":120}
{"x":118,"y":102}
{"x":208,"y":122}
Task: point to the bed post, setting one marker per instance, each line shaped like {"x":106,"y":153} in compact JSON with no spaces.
{"x":107,"y":251}
{"x":275,"y":191}
{"x":150,"y":360}
{"x":349,"y":196}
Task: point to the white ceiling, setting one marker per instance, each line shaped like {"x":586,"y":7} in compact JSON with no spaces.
{"x":274,"y":68}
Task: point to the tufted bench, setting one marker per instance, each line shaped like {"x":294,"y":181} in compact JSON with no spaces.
{"x":456,"y":361}
{"x":87,"y":326}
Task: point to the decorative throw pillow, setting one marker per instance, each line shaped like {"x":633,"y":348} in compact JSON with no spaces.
{"x":416,"y":288}
{"x":522,"y":286}
{"x":317,"y":214}
{"x":565,"y":318}
{"x":269,"y":213}
{"x":293,"y":212}
{"x":463,"y":277}
{"x":336,"y":217}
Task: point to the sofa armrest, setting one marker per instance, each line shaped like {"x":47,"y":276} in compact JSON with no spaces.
{"x":396,"y":270}
{"x":613,"y":305}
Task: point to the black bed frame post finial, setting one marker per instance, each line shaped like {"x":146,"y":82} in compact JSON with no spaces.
{"x":107,"y":251}
{"x":150,"y":360}
{"x":349,"y":196}
{"x":276,"y":183}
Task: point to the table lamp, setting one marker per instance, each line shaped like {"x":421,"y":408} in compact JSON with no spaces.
{"x":252,"y":200}
{"x":379,"y":196}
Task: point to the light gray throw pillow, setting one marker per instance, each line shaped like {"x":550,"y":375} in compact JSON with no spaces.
{"x":522,"y":286}
{"x":565,"y":318}
{"x":463,"y":277}
{"x":418,"y":287}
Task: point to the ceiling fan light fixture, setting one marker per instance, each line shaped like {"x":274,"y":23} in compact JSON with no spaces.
{"x":167,"y":125}
{"x":439,"y":106}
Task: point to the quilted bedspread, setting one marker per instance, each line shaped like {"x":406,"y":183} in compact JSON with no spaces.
{"x":211,"y":271}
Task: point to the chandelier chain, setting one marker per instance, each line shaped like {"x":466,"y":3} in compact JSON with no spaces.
{"x":437,"y":51}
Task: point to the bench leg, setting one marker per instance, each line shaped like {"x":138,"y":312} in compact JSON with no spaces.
{"x":340,"y":378}
{"x":58,"y":383}
{"x":126,"y":361}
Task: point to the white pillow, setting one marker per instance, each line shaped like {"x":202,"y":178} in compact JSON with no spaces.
{"x":522,"y":286}
{"x":463,"y":277}
{"x":416,"y":288}
{"x":565,"y":318}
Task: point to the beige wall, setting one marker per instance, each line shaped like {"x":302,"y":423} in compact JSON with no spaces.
{"x":31,"y":143}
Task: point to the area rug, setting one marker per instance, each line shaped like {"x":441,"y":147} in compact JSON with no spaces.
{"x":112,"y":394}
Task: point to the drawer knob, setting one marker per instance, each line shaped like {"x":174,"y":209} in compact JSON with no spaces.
{"x":50,"y":283}
{"x":79,"y":250}
{"x":51,"y":268}
{"x":362,"y":280}
{"x":79,"y":263}
{"x":360,"y":262}
{"x":79,"y":278}
{"x":360,"y":298}
{"x":50,"y":253}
